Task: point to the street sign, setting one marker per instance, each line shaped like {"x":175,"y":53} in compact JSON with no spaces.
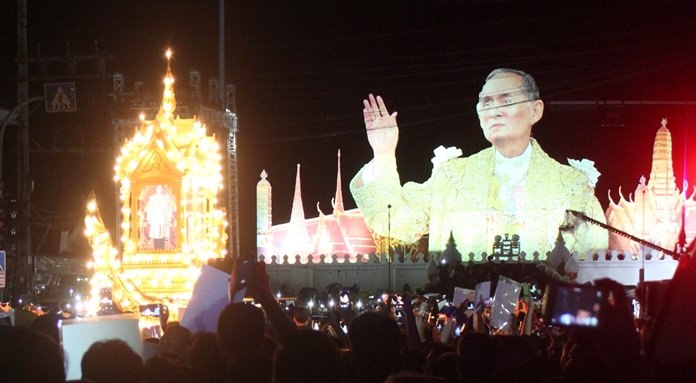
{"x":60,"y":97}
{"x":3,"y":268}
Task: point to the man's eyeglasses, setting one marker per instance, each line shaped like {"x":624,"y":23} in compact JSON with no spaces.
{"x":501,"y":100}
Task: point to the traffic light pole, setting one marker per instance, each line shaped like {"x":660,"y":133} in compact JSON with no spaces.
{"x":24,"y":258}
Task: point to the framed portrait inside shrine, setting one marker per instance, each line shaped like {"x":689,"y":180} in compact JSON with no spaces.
{"x":157,"y":206}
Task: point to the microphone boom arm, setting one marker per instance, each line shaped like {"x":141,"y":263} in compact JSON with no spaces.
{"x":584,"y":217}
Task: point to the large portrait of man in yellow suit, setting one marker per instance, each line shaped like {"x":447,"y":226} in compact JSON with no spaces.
{"x":512,"y":187}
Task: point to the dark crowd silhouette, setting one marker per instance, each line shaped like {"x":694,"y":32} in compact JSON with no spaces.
{"x":404,"y":340}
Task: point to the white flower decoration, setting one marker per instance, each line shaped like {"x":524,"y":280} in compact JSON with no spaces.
{"x":442,"y":155}
{"x":586,"y":166}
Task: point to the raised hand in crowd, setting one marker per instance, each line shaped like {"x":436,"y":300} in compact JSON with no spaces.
{"x":260,"y":289}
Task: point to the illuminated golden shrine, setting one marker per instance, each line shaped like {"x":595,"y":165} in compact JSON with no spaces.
{"x":170,"y":174}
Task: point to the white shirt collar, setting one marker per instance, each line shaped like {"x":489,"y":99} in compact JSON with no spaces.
{"x":513,"y":169}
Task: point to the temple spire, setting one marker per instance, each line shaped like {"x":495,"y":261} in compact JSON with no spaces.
{"x":297,"y":240}
{"x":662,"y":173}
{"x":264,"y":216}
{"x":168,"y":105}
{"x":297,"y":214}
{"x":338,"y":199}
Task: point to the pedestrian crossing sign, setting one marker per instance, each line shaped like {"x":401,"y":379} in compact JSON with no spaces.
{"x":60,"y":97}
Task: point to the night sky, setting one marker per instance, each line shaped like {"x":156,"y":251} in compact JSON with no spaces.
{"x":302,"y":69}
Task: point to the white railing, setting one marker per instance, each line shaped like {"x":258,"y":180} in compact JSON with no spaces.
{"x":371,"y":272}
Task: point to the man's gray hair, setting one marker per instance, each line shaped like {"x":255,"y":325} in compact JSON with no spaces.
{"x":528,"y":84}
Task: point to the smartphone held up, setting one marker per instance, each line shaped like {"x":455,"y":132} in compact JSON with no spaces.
{"x":242,"y":275}
{"x":570,"y":305}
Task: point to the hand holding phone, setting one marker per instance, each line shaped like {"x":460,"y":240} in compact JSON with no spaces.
{"x":457,"y":330}
{"x":574,"y":305}
{"x":440,"y":322}
{"x":150,"y":310}
{"x":241,"y":278}
{"x":259,"y":286}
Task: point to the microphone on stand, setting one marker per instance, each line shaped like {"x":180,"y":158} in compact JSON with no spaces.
{"x":388,"y":228}
{"x":680,"y":246}
{"x":388,"y":225}
{"x":389,"y":260}
{"x":572,"y":221}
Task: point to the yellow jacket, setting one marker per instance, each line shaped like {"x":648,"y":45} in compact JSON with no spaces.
{"x":461,"y":197}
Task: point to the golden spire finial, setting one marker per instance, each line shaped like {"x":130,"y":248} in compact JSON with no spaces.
{"x":168,"y":55}
{"x":168,"y":99}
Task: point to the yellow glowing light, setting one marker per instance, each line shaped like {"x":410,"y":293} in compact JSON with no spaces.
{"x":141,"y":276}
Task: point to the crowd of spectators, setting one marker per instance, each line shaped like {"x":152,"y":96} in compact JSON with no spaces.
{"x":409,"y":340}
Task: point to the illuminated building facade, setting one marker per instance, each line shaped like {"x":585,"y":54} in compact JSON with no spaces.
{"x":343,"y":232}
{"x":340,"y":247}
{"x":655,"y":210}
